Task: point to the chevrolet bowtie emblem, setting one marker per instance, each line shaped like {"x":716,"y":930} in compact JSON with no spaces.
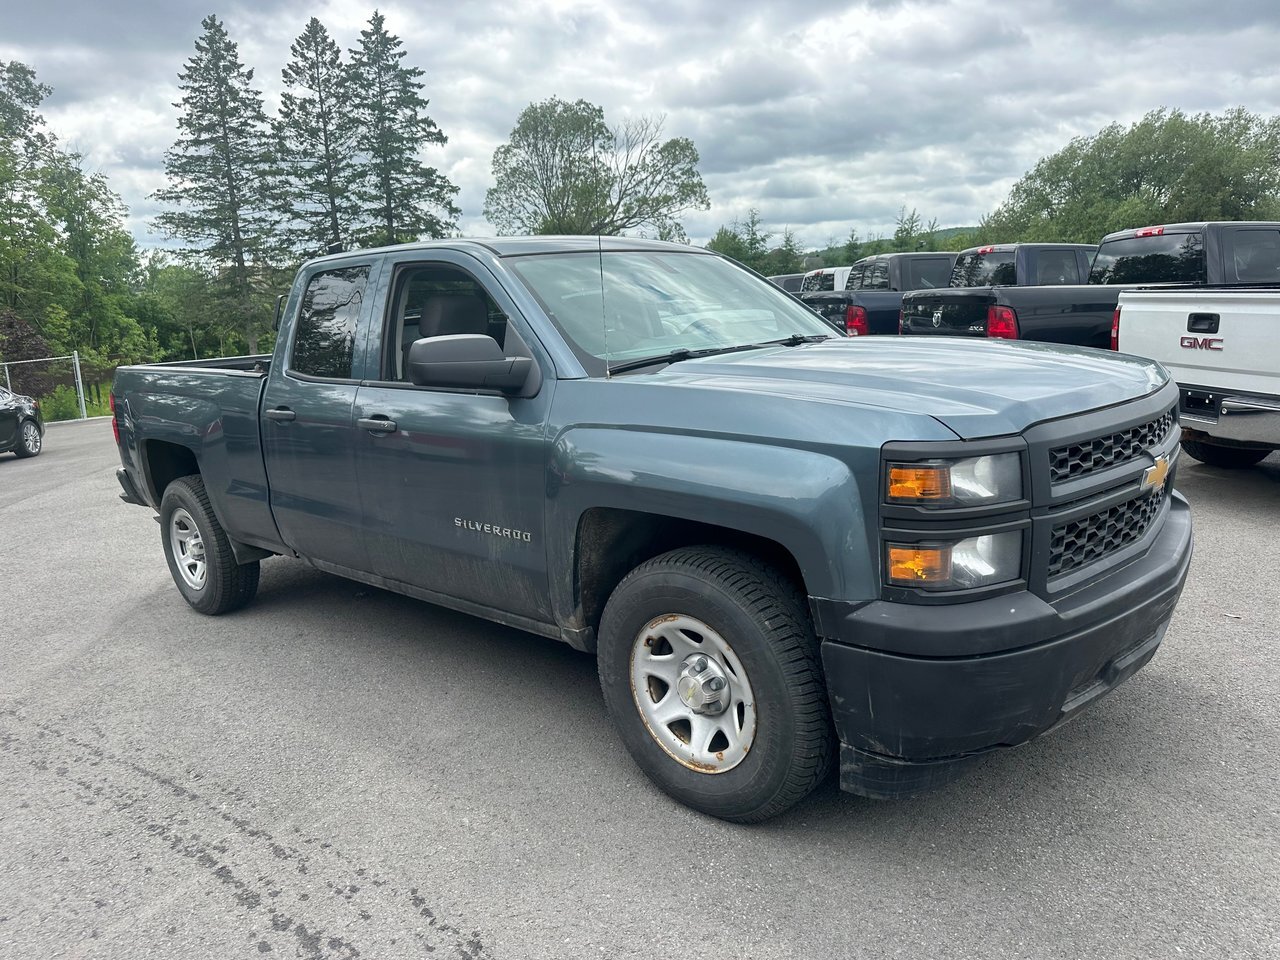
{"x":1153,"y":477}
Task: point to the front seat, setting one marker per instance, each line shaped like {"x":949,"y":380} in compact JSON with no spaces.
{"x":448,"y":314}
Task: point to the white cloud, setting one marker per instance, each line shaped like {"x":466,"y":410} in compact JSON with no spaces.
{"x":825,"y":117}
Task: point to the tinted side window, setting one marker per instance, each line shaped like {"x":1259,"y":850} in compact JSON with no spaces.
{"x":927,"y":273}
{"x":878,"y":276}
{"x":1253,"y":256}
{"x":995,"y":268}
{"x":325,"y":336}
{"x":1056,"y":267}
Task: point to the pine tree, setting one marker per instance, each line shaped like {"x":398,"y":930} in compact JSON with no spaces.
{"x":401,"y":199}
{"x":315,"y":134}
{"x":219,"y":171}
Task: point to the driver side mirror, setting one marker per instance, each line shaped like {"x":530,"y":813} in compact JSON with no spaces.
{"x":466,"y":360}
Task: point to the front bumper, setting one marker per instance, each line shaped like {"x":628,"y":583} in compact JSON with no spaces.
{"x":908,"y":722}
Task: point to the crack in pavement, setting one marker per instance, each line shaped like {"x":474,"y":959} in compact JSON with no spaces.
{"x":362,"y":914}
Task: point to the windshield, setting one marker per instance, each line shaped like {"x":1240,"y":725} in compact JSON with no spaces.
{"x":1160,"y":258}
{"x":629,"y":305}
{"x":984,"y":269}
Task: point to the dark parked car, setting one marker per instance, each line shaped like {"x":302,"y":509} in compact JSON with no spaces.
{"x":872,"y":294}
{"x":1060,"y":298}
{"x":21,"y":424}
{"x":789,"y":282}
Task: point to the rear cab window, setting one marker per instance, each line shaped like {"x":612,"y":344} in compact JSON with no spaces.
{"x":819,"y":280}
{"x":987,"y":267}
{"x":1151,"y":257}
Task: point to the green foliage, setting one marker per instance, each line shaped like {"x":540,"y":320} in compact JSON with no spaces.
{"x":563,"y":170}
{"x":219,"y":170}
{"x":315,"y":137}
{"x":400,"y":198}
{"x":746,"y":242}
{"x":1166,"y":168}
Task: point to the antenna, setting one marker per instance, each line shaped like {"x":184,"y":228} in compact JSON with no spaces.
{"x":604,"y":317}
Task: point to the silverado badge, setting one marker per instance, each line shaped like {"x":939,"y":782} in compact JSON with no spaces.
{"x":937,"y":317}
{"x":1153,"y":477}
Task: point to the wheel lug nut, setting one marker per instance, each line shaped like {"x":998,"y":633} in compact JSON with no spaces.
{"x":700,"y":664}
{"x":715,"y":683}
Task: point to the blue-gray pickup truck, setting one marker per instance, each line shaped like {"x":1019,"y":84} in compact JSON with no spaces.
{"x":782,"y":546}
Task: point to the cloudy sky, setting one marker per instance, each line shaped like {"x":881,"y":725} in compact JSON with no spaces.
{"x":824,"y":115}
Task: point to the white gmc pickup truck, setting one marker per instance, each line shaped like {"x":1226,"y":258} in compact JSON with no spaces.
{"x":1222,"y":346}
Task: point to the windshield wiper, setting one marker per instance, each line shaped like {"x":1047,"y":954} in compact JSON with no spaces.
{"x":796,"y":339}
{"x":684,"y":353}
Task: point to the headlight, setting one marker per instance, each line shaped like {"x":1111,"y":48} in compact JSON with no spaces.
{"x":975,"y":481}
{"x":959,"y":565}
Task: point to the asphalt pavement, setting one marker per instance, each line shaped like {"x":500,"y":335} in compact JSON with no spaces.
{"x":341,"y":772}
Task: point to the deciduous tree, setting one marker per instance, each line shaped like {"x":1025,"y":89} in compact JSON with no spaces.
{"x":1167,"y":167}
{"x":563,"y":170}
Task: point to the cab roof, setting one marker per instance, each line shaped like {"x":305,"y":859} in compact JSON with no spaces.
{"x":527,"y":246}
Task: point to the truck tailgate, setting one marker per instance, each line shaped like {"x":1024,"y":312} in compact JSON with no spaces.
{"x":1222,"y":339}
{"x":955,"y":312}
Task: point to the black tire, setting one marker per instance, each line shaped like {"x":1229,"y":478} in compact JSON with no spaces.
{"x":1231,"y":458}
{"x":741,"y":597}
{"x":30,"y":442}
{"x":227,"y":585}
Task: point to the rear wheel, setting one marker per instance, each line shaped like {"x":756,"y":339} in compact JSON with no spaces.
{"x":198,"y":551}
{"x":29,"y":439}
{"x":1232,"y":458}
{"x":710,"y":671}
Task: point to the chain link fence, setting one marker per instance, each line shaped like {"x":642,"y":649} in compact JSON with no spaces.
{"x":58,"y":383}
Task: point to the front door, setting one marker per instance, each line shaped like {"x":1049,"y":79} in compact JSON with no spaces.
{"x":8,"y":419}
{"x":454,"y":482}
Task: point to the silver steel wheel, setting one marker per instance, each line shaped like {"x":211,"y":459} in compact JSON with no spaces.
{"x":188,"y":548}
{"x":693,"y":693}
{"x":31,"y":437}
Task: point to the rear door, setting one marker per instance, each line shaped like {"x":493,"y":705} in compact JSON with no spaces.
{"x":308,"y":428}
{"x":454,"y":482}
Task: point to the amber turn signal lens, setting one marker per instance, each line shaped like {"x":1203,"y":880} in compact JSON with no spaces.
{"x":931,"y":482}
{"x":914,"y":564}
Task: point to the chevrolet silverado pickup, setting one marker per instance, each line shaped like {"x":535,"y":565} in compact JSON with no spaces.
{"x":1220,"y":345}
{"x":779,"y":545}
{"x":1054,"y":303}
{"x":872,"y":295}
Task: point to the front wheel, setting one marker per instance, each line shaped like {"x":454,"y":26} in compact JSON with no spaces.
{"x":1231,"y":458}
{"x":29,"y":440}
{"x":198,"y":551}
{"x":710,"y":672}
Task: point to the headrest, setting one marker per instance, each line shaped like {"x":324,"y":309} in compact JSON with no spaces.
{"x":446,"y":314}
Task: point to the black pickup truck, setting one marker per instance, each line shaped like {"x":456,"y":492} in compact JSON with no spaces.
{"x":872,"y":293}
{"x":777,"y":543}
{"x":1059,"y":306}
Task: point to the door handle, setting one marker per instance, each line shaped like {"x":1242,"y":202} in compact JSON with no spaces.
{"x":377,"y":424}
{"x":281,"y":415}
{"x":1202,"y":322}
